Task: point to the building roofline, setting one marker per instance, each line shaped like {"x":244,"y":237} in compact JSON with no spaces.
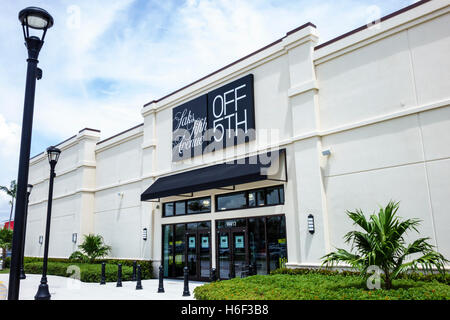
{"x":361,"y":28}
{"x":70,"y":138}
{"x":120,"y":133}
{"x":90,"y":129}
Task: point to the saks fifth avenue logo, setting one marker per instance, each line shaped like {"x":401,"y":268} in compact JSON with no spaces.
{"x":189,"y":130}
{"x":221,"y":118}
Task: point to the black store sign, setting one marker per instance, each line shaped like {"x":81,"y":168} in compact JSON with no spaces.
{"x":221,"y":118}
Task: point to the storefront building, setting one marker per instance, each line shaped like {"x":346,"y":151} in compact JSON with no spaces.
{"x":253,"y":167}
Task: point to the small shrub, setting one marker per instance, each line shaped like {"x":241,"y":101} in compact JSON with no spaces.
{"x":91,"y":249}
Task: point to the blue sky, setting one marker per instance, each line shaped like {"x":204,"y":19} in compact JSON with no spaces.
{"x":104,"y":59}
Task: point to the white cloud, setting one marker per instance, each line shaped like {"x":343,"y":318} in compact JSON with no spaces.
{"x":9,"y":151}
{"x":9,"y":138}
{"x":5,"y":208}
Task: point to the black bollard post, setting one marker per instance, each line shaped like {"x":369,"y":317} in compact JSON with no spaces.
{"x":161,"y":275}
{"x":133,"y":278}
{"x":212,"y":275}
{"x":103,"y":279}
{"x":139,"y":277}
{"x":119,"y":275}
{"x":186,"y":282}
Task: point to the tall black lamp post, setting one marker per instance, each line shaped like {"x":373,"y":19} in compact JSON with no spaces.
{"x":53,"y":155}
{"x":41,"y":20}
{"x":22,"y":270}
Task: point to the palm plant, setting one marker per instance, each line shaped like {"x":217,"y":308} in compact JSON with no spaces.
{"x":6,"y":236}
{"x":92,"y":248}
{"x":382,"y":243}
{"x":11,"y":191}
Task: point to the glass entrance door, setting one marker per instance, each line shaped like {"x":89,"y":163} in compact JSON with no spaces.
{"x":224,"y":255}
{"x":191,"y":254}
{"x":198,"y":255}
{"x":204,"y":255}
{"x":257,"y":243}
{"x":187,"y":245}
{"x":239,"y":255}
{"x":232,"y":253}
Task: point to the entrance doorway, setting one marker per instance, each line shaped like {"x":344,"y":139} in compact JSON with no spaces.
{"x":232,"y":252}
{"x":187,"y":244}
{"x":198,"y":255}
{"x":256,"y":243}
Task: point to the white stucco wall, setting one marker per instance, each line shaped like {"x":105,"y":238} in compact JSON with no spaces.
{"x":74,"y":185}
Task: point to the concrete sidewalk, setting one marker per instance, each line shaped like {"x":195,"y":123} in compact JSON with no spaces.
{"x":62,"y":288}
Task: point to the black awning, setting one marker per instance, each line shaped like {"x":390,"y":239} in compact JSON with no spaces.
{"x":237,"y":172}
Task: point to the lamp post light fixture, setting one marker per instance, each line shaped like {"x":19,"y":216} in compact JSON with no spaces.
{"x":53,"y":156}
{"x":22,"y":270}
{"x":41,"y":20}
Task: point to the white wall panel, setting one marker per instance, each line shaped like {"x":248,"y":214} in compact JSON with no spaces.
{"x":61,"y":229}
{"x":121,"y":229}
{"x":371,"y":81}
{"x":439,"y":181}
{"x":369,"y":190}
{"x":271,"y":102}
{"x":385,"y":144}
{"x":430,"y":47}
{"x":435,"y":126}
{"x":112,"y":198}
{"x":119,"y":163}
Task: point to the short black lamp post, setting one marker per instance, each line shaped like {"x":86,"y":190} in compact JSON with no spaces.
{"x":186,"y":282}
{"x":119,"y":275}
{"x":161,"y":275}
{"x":103,"y":278}
{"x":41,"y":20}
{"x":53,"y":156}
{"x":139,"y":278}
{"x":22,"y":270}
{"x":133,"y":277}
{"x":212,"y":275}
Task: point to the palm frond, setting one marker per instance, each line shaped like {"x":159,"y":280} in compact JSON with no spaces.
{"x":359,"y":219}
{"x":426,"y":262}
{"x":342,"y":255}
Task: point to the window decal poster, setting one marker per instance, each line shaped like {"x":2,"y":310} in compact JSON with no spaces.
{"x":239,"y":242}
{"x":205,"y":242}
{"x":191,"y":242}
{"x":223,"y":242}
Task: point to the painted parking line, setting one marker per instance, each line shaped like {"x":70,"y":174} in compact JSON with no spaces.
{"x":3,"y":291}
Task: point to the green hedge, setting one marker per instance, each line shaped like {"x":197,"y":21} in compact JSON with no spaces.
{"x":416,"y":276}
{"x":89,"y":272}
{"x":316,"y":286}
